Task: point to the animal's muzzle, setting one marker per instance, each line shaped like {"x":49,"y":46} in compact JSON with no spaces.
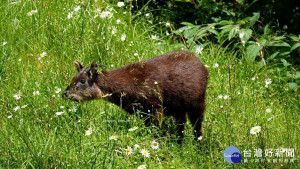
{"x":65,"y":94}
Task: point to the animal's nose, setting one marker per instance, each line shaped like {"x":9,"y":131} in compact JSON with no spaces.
{"x":64,"y":94}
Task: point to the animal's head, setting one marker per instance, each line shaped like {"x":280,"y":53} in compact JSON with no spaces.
{"x":84,"y":85}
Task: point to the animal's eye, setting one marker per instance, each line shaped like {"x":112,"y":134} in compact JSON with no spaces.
{"x":82,"y":81}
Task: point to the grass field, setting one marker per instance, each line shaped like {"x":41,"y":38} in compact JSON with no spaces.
{"x":41,"y":130}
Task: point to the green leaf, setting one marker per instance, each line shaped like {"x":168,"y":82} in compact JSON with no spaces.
{"x":285,"y":63}
{"x":213,"y":31}
{"x":184,"y":0}
{"x":252,"y":51}
{"x":190,"y":33}
{"x":277,"y":38}
{"x":190,"y":42}
{"x":181,"y":30}
{"x":241,"y":2}
{"x":295,"y":38}
{"x":263,"y":42}
{"x":200,"y":34}
{"x":293,"y":86}
{"x":266,"y":29}
{"x":279,"y":44}
{"x":247,"y":34}
{"x":241,"y":22}
{"x":297,"y":76}
{"x":225,"y":22}
{"x":253,"y":19}
{"x":295,"y":46}
{"x":285,"y":53}
{"x":232,"y":32}
{"x":187,"y":24}
{"x":273,"y":56}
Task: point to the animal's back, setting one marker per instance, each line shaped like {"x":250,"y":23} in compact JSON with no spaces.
{"x":180,"y":76}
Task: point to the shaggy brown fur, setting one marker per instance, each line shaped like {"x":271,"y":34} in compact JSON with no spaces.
{"x":173,"y":83}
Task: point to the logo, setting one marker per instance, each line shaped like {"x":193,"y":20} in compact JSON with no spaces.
{"x":232,"y":155}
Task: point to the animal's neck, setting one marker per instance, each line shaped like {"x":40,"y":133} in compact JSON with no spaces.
{"x":112,"y":85}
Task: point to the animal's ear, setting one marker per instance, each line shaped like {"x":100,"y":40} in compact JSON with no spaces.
{"x":78,"y":66}
{"x":94,"y":72}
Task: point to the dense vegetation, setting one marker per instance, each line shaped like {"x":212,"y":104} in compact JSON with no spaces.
{"x":254,"y":81}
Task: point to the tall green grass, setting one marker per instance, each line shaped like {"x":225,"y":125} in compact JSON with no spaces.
{"x":35,"y":137}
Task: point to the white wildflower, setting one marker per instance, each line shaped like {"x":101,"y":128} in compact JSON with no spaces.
{"x":59,"y":113}
{"x":241,"y":35}
{"x":123,"y":37}
{"x":43,"y":54}
{"x":136,"y":146}
{"x":4,"y":43}
{"x":145,"y":153}
{"x":77,"y":8}
{"x":133,"y":128}
{"x":128,"y":150}
{"x":113,"y":138}
{"x":98,"y":10}
{"x":199,"y":50}
{"x":114,"y":30}
{"x":154,"y":145}
{"x":16,"y":108}
{"x":89,"y":132}
{"x":142,"y":167}
{"x":32,"y":12}
{"x":268,"y":81}
{"x":154,"y":37}
{"x":255,"y":130}
{"x":243,"y":42}
{"x":108,"y":14}
{"x":104,"y":14}
{"x":58,"y":90}
{"x":73,"y":109}
{"x":216,"y":65}
{"x":120,"y":4}
{"x":70,"y":15}
{"x":24,"y":106}
{"x":18,"y":95}
{"x":35,"y":93}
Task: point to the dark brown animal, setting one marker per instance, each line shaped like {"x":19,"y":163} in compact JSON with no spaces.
{"x":173,"y":84}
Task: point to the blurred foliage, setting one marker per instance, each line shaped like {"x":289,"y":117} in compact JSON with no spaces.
{"x":265,"y":32}
{"x":280,"y":14}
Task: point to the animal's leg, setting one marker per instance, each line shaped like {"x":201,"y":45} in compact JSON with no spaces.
{"x":181,"y":120}
{"x":196,"y":118}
